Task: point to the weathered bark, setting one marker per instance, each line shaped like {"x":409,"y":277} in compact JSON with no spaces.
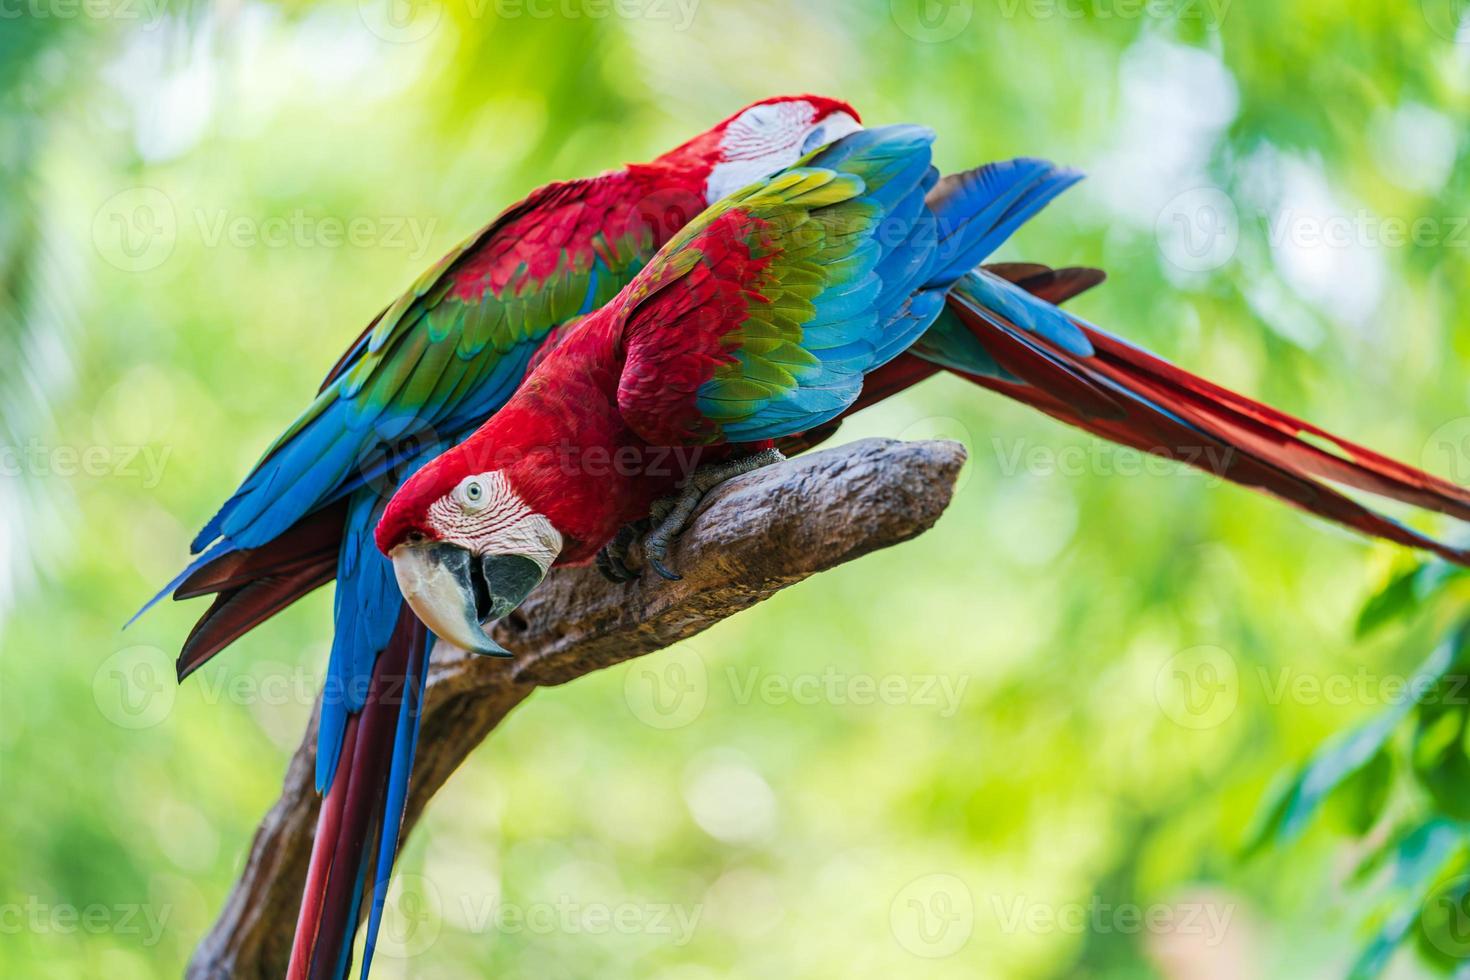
{"x":752,"y":537}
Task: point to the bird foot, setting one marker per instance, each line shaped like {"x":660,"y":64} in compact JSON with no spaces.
{"x":669,"y":515}
{"x":612,"y":558}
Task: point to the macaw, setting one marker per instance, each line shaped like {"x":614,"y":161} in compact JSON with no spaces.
{"x":776,"y":312}
{"x":428,"y":370}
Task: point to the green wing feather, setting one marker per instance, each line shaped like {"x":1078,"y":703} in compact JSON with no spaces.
{"x":429,"y":349}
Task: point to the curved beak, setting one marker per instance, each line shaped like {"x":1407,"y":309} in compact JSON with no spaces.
{"x":457,"y":595}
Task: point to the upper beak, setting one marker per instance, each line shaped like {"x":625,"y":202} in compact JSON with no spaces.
{"x":457,"y":595}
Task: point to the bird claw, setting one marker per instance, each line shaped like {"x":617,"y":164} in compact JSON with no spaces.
{"x":612,"y":558}
{"x":613,"y":568}
{"x":655,"y":552}
{"x":658,"y":566}
{"x":670,"y":515}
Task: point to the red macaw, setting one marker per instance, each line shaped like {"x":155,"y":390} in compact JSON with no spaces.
{"x":760,"y":321}
{"x":424,"y":374}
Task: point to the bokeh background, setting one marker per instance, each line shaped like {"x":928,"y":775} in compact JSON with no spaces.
{"x":1028,"y":744}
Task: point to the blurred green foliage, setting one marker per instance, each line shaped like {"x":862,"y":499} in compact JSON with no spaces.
{"x":1400,"y":783}
{"x":1028,"y":744}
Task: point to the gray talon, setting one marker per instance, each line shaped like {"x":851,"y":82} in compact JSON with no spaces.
{"x":659,"y":567}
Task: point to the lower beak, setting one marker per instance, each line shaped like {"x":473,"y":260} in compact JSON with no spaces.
{"x":448,"y":589}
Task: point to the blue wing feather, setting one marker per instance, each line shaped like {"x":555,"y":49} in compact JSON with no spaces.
{"x":927,"y":236}
{"x":981,"y":208}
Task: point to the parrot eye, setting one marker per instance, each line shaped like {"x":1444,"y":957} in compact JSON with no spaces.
{"x":814,"y":139}
{"x":472,"y":493}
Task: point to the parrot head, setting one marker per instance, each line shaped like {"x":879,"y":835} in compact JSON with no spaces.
{"x":761,"y":139}
{"x":466,"y":548}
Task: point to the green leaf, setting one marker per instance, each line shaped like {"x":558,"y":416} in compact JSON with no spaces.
{"x":1437,"y":576}
{"x":1359,"y":802}
{"x":1341,"y":759}
{"x":1406,"y":593}
{"x":1266,"y":825}
{"x":1293,"y":802}
{"x":1440,"y":761}
{"x":1444,"y":920}
{"x":1418,"y":857}
{"x":1373,"y":960}
{"x":1397,"y":599}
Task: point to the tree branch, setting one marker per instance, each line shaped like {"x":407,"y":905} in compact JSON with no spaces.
{"x":753,"y":536}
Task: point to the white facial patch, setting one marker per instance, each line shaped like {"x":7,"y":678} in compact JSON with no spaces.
{"x":760,"y":141}
{"x":766,"y":139}
{"x":486,"y":516}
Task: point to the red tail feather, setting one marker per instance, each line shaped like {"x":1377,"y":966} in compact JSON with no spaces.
{"x":256,"y":583}
{"x":323,"y":845}
{"x":1209,"y":427}
{"x":357,"y":828}
{"x":1271,"y":430}
{"x":314,"y":537}
{"x":238,"y":610}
